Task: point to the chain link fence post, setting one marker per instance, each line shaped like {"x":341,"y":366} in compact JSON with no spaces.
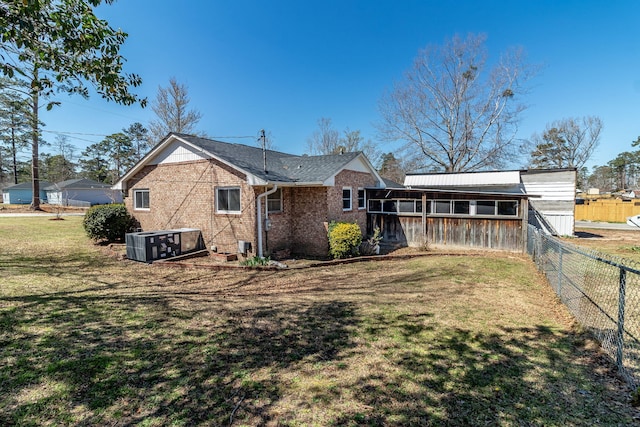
{"x":621,"y":305}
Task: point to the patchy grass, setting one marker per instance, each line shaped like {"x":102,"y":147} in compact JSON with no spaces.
{"x":621,"y":243}
{"x":88,"y":340}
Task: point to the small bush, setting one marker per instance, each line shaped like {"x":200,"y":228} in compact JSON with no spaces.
{"x":256,"y":261}
{"x":344,"y":239}
{"x":108,"y":222}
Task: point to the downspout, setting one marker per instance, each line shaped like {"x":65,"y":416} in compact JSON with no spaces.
{"x":259,"y":216}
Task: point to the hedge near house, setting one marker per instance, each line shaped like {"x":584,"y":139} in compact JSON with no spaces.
{"x":344,"y":239}
{"x":108,"y":222}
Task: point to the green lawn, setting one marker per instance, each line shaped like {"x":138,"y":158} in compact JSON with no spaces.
{"x":442,"y":340}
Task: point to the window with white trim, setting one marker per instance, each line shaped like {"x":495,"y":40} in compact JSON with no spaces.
{"x":346,"y":198}
{"x":228,"y":200}
{"x":274,"y":201}
{"x":361,"y":199}
{"x":461,"y":207}
{"x":141,"y":199}
{"x":485,"y":207}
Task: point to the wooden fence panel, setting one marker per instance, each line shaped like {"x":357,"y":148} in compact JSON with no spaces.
{"x":607,"y":210}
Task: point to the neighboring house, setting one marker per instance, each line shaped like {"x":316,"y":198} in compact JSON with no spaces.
{"x":552,"y":192}
{"x":81,"y":192}
{"x":245,"y":199}
{"x":22,"y":194}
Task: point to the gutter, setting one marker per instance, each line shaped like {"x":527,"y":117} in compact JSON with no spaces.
{"x":266,"y":215}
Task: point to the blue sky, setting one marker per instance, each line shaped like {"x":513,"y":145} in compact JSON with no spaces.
{"x":282,"y":65}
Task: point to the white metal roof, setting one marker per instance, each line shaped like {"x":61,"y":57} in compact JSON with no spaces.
{"x":463,"y":179}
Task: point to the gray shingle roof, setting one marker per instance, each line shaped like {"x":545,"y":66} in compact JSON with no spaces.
{"x":26,"y":185}
{"x":76,"y":184}
{"x":281,"y":167}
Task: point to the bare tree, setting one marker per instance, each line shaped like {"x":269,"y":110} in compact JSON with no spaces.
{"x":171,"y":108}
{"x":325,"y":139}
{"x":566,"y":143}
{"x":452,"y":112}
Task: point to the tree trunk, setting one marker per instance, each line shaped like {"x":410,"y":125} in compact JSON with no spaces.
{"x":35,"y":173}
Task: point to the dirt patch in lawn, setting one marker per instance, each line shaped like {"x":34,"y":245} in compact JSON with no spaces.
{"x":622,"y":243}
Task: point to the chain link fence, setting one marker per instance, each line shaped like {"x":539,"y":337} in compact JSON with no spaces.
{"x":602,"y":292}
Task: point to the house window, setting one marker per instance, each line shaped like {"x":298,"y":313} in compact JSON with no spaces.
{"x":389,"y":206}
{"x":346,"y":198}
{"x":485,"y":207}
{"x":228,"y":199}
{"x":274,"y":201}
{"x":375,"y":205}
{"x":361,"y":199}
{"x":509,"y":208}
{"x":406,"y":206}
{"x":395,"y":206}
{"x":500,"y":207}
{"x":461,"y":207}
{"x":141,"y":199}
{"x":442,"y":206}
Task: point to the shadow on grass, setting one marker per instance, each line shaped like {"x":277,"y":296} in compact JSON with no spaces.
{"x":518,"y":376}
{"x":92,"y":360}
{"x":587,"y":235}
{"x":237,"y":352}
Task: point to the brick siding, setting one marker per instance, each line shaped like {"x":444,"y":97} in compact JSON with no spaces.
{"x":183,"y":195}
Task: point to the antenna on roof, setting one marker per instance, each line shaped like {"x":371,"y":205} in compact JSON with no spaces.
{"x":263,"y":138}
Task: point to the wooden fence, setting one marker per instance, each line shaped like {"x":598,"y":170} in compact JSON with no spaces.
{"x":607,"y":210}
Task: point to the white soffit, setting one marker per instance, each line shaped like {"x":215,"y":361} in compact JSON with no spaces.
{"x":463,"y":179}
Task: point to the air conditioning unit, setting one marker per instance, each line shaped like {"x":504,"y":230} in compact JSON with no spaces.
{"x":149,"y":246}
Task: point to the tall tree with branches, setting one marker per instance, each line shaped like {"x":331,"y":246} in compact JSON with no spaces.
{"x":326,"y":140}
{"x":566,"y":143}
{"x":172,"y":111}
{"x":452,"y":112}
{"x":139,"y":136}
{"x":61,"y":45}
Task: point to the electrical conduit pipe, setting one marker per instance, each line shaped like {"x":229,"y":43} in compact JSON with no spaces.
{"x":266,"y":214}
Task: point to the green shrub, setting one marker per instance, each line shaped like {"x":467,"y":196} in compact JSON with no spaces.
{"x":344,"y":239}
{"x":108,"y":222}
{"x":256,"y":261}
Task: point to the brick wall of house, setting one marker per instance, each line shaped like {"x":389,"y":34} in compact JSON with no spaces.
{"x":308,"y":221}
{"x":354,"y":180}
{"x":183,"y":195}
{"x":302,"y":226}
